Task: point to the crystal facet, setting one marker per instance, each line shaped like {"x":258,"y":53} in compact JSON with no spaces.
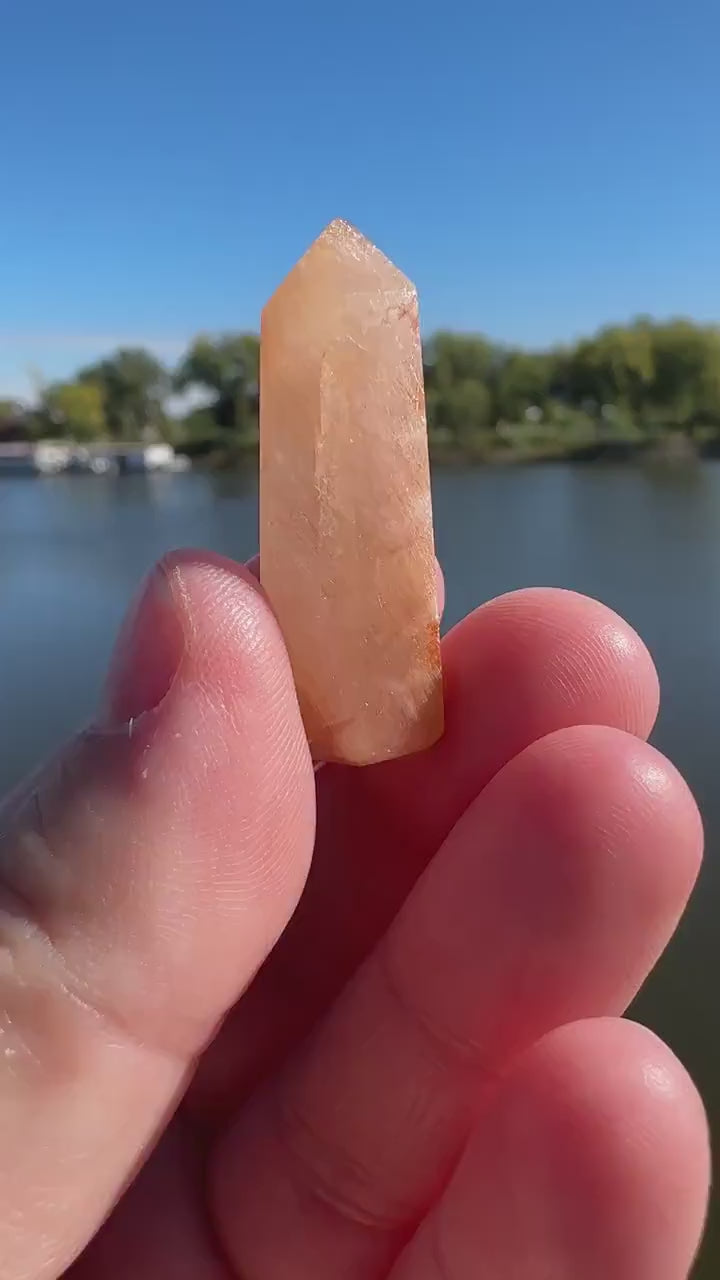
{"x":346,"y":541}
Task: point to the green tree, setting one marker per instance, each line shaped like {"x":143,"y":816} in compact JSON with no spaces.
{"x":461,"y":413}
{"x":134,"y":385}
{"x":228,"y":368}
{"x":15,"y":421}
{"x":454,"y":357}
{"x":458,"y":372}
{"x":523,"y":380}
{"x":75,"y":409}
{"x":616,"y":367}
{"x":686,"y":385}
{"x":626,"y":383}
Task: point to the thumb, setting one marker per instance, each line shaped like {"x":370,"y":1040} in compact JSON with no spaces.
{"x":145,"y":875}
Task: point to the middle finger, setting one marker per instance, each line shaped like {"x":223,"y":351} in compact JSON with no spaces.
{"x":549,"y":901}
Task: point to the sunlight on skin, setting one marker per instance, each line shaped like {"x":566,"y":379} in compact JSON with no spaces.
{"x":524,"y":873}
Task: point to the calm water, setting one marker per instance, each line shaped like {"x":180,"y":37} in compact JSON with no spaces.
{"x":647,"y":543}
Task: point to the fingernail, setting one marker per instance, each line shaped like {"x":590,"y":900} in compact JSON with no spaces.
{"x":147,"y":654}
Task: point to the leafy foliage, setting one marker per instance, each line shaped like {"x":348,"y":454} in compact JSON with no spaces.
{"x":76,"y":410}
{"x":228,"y":368}
{"x":629,"y":383}
{"x":12,"y":420}
{"x":134,"y":386}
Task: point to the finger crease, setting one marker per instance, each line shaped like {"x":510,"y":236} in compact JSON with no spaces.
{"x":328,"y":1174}
{"x":447,"y":1047}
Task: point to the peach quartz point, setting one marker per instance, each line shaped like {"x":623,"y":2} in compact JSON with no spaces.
{"x":346,"y":535}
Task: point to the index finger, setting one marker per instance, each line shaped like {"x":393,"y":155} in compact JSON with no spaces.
{"x":517,"y":669}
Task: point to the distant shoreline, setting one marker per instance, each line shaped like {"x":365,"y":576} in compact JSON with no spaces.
{"x":675,"y":448}
{"x":648,"y":388}
{"x":508,"y":447}
{"x":672,"y":448}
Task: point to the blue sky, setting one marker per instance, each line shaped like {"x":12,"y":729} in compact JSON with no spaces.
{"x":536,"y":168}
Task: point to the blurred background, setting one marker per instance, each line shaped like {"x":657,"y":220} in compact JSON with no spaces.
{"x":546,"y":174}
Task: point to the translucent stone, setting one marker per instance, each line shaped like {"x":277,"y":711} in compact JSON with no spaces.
{"x":346,"y":539}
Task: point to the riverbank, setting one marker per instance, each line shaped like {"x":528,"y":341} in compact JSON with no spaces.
{"x":675,"y":448}
{"x":512,"y":447}
{"x":504,"y":446}
{"x":53,"y":457}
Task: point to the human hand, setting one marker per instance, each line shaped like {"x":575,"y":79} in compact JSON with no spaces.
{"x":428,"y":1079}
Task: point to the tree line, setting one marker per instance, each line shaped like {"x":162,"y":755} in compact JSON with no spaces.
{"x":633,"y":384}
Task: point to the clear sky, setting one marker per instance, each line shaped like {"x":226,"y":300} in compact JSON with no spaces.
{"x":537,"y":167}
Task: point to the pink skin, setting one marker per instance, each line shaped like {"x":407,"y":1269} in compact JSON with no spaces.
{"x":428,"y":1079}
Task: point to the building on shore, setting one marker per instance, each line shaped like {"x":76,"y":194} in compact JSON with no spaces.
{"x":51,"y":457}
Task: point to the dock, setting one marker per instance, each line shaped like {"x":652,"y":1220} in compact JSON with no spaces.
{"x":53,"y":457}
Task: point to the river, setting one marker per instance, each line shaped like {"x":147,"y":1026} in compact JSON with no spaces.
{"x":647,"y":542}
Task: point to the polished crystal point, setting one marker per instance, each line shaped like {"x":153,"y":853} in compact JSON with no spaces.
{"x":346,"y":540}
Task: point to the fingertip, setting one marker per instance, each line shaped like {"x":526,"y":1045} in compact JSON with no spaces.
{"x":628,"y":1131}
{"x":520,"y":667}
{"x":628,"y":1071}
{"x":556,"y":891}
{"x":570,"y":652}
{"x":599,"y":788}
{"x":231,"y":631}
{"x":593,"y":1160}
{"x":627,"y":842}
{"x":239,"y":686}
{"x":146,"y":656}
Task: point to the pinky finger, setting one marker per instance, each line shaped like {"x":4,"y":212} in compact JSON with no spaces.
{"x":592,"y":1162}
